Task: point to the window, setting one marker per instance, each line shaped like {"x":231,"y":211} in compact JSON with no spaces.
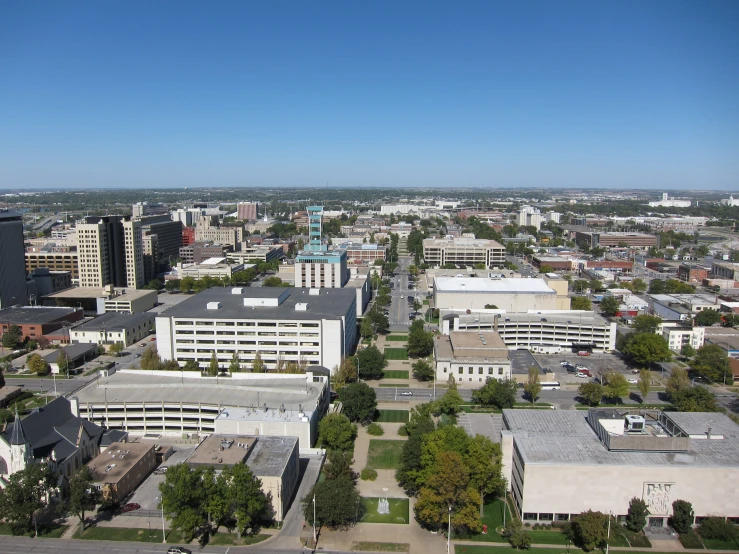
{"x":530,"y":516}
{"x":470,"y":370}
{"x":546,"y":517}
{"x":500,"y":371}
{"x":490,"y":371}
{"x":479,"y":370}
{"x":460,"y":371}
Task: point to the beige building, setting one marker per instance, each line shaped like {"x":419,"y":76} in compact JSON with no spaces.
{"x":274,"y":460}
{"x":105,"y":299}
{"x":110,"y":252}
{"x":463,"y":251}
{"x":559,"y":463}
{"x":54,"y":261}
{"x":114,"y":327}
{"x":121,"y":468}
{"x":471,"y":358}
{"x":513,"y":294}
{"x":207,"y":231}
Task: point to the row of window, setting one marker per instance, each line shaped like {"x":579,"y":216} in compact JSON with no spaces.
{"x":211,"y":323}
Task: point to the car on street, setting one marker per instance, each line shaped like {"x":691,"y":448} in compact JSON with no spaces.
{"x":401,"y":297}
{"x":582,"y":375}
{"x":179,"y":550}
{"x":406,"y":393}
{"x":633,"y":381}
{"x":130,"y":507}
{"x":160,"y":471}
{"x":564,"y":363}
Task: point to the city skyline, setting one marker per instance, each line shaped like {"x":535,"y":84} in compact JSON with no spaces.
{"x":481,"y":95}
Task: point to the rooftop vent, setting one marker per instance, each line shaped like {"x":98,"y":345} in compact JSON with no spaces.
{"x":213,"y":306}
{"x":634,"y":423}
{"x":301,"y":307}
{"x":237,"y":290}
{"x":314,"y":292}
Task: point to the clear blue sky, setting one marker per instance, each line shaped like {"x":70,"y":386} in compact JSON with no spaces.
{"x":632,"y":94}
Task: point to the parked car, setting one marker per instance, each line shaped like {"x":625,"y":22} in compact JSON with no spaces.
{"x":179,"y":550}
{"x":130,"y":507}
{"x":406,"y":393}
{"x":564,"y":363}
{"x":582,"y":375}
{"x":633,"y":381}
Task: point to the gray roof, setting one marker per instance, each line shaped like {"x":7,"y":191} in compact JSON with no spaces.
{"x":28,"y":315}
{"x":560,"y":437}
{"x":73,"y":351}
{"x":270,"y":455}
{"x":328,"y":304}
{"x":115,"y":321}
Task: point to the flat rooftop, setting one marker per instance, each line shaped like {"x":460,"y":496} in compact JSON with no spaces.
{"x":464,"y":242}
{"x":561,"y":437}
{"x":132,"y":386}
{"x":117,"y":461}
{"x":468,"y":345}
{"x":115,"y":321}
{"x":100,"y":292}
{"x":327,"y":304}
{"x":33,"y":314}
{"x":509,"y":285}
{"x":222,"y":451}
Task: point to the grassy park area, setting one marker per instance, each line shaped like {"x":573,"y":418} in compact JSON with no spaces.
{"x":384,"y":454}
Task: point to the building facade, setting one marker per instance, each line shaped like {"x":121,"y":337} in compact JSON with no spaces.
{"x":114,"y":327}
{"x":54,"y":261}
{"x":247,"y":211}
{"x":463,"y":251}
{"x":326,"y":269}
{"x":121,"y":468}
{"x":12,"y":260}
{"x":471,"y":358}
{"x":110,"y":252}
{"x":508,"y":294}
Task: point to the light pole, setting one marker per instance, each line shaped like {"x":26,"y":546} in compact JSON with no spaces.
{"x":608,"y":534}
{"x":449,"y":531}
{"x":314,"y":521}
{"x":164,"y":535}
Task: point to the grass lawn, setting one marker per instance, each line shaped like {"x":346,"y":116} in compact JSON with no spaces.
{"x":478,"y":409}
{"x":392,"y":416}
{"x":716,"y":544}
{"x":397,"y":338}
{"x":46,"y":532}
{"x":384,"y":454}
{"x":381,"y":546}
{"x":493,"y":518}
{"x":396,"y":353}
{"x":395,"y":386}
{"x":399,"y":511}
{"x":226,"y":539}
{"x":395,"y":374}
{"x":127,"y":534}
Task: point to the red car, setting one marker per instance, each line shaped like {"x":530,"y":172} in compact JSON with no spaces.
{"x":130,"y":507}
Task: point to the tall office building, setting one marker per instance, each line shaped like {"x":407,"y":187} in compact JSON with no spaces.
{"x":12,"y":260}
{"x":317,"y":266}
{"x":247,"y":211}
{"x":110,"y":252}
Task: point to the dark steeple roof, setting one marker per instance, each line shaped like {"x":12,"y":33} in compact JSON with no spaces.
{"x":17,"y":433}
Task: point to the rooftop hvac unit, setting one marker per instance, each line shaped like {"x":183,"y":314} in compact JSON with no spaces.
{"x":634,"y":423}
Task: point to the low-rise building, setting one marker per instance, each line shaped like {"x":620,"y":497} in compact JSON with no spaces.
{"x":509,"y":294}
{"x":725,"y":270}
{"x":359,"y":252}
{"x":692,"y":273}
{"x":121,"y":468}
{"x":215,"y":268}
{"x":608,"y":239}
{"x":77,"y":355}
{"x":37,"y":321}
{"x":274,"y":460}
{"x":49,"y":282}
{"x":677,"y":335}
{"x":114,"y":327}
{"x":98,"y":300}
{"x":471,"y":357}
{"x":463,"y":252}
{"x":560,"y":463}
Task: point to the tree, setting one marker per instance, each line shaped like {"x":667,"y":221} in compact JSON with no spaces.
{"x":172,"y":285}
{"x":591,"y":393}
{"x":423,"y":371}
{"x":248,"y":503}
{"x":379,"y":321}
{"x":609,"y":306}
{"x":646,"y":348}
{"x":359,"y":402}
{"x":484,"y":460}
{"x":636,"y":518}
{"x":213,"y":365}
{"x":677,"y":381}
{"x":410,"y":471}
{"x":274,"y":281}
{"x":695,"y":399}
{"x":257,"y":365}
{"x":420,"y":342}
{"x":370,"y":362}
{"x":24,"y":495}
{"x":498,"y":394}
{"x":81,"y":495}
{"x":365,"y":328}
{"x":717,"y":528}
{"x":62,"y":362}
{"x":590,"y":530}
{"x":13,"y":337}
{"x":580,"y":303}
{"x":646,"y":323}
{"x":449,"y":403}
{"x":706,"y":318}
{"x":616,"y":386}
{"x":335,"y":431}
{"x":687,"y":351}
{"x":184,"y":498}
{"x":337,"y":504}
{"x":36,"y":364}
{"x":187,"y":284}
{"x":339,"y":466}
{"x":638,"y":285}
{"x":191,"y":365}
{"x":235,"y":365}
{"x":532,"y":387}
{"x":645,"y":381}
{"x":116,"y":348}
{"x":711,"y":362}
{"x":344,"y":374}
{"x":448,"y":486}
{"x":154,"y":284}
{"x":150,"y":358}
{"x":171,"y":365}
{"x":682,"y":516}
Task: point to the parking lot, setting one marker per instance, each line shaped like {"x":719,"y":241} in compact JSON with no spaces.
{"x":146,"y":494}
{"x":595,"y":363}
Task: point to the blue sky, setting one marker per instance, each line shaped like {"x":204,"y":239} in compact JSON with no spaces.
{"x":631,"y":94}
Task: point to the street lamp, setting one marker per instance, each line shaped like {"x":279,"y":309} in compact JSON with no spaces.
{"x":449,"y":531}
{"x":164,"y":536}
{"x":314,"y":521}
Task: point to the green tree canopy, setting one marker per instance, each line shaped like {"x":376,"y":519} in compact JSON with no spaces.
{"x":580,"y":303}
{"x":150,"y":358}
{"x":359,"y":402}
{"x":337,"y":504}
{"x":24,"y":495}
{"x":335,"y":431}
{"x":213,"y":365}
{"x":711,"y":362}
{"x":422,"y":370}
{"x":682,"y":516}
{"x":81,"y":494}
{"x":370,"y":362}
{"x":695,"y":399}
{"x":636,"y":518}
{"x":532,"y":387}
{"x":591,"y":393}
{"x":706,"y":318}
{"x":494,"y":393}
{"x":646,"y":323}
{"x":609,"y":306}
{"x":645,"y":349}
{"x":12,"y":338}
{"x":590,"y":530}
{"x":645,"y":382}
{"x":616,"y":386}
{"x":420,"y":342}
{"x":36,"y":364}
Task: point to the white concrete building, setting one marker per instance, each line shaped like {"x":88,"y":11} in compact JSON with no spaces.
{"x":186,"y":403}
{"x":546,"y":332}
{"x":463,"y":251}
{"x":678,"y":336}
{"x":560,"y":463}
{"x":668,"y":202}
{"x":471,"y":357}
{"x":288,"y":324}
{"x":730,"y":201}
{"x":113,"y":327}
{"x":528,"y":216}
{"x":508,"y":294}
{"x":216,"y":268}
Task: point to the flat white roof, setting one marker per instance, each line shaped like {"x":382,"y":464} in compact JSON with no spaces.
{"x":479,"y":284}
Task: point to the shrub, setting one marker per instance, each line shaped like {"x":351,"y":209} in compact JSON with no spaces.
{"x":640,"y":540}
{"x":717,"y":528}
{"x":527,"y":524}
{"x":368,"y":474}
{"x":375,"y":429}
{"x":403,"y":431}
{"x":691,"y":540}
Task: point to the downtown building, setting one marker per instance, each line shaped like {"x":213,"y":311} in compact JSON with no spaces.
{"x":463,"y":252}
{"x":110,"y":252}
{"x":12,"y":260}
{"x":317,"y":327}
